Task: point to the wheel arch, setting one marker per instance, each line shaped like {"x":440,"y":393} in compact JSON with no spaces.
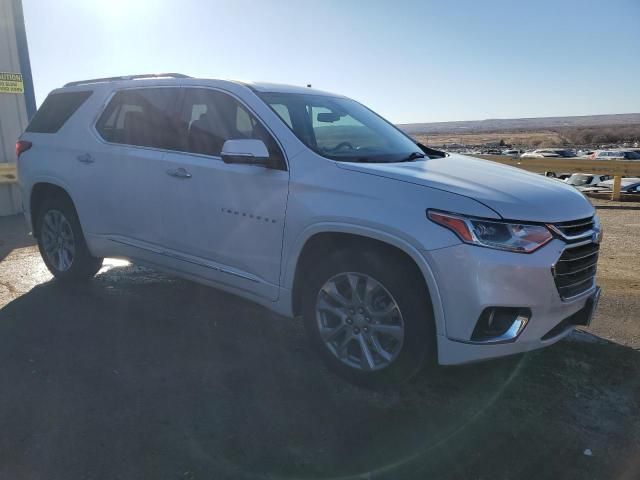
{"x":322,"y":238}
{"x":39,"y":192}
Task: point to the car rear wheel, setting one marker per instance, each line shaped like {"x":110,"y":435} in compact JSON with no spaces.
{"x":61,"y":241}
{"x":369,"y":317}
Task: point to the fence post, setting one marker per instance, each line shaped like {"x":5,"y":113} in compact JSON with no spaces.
{"x":617,"y":181}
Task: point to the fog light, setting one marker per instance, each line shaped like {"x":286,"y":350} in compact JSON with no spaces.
{"x":500,"y":324}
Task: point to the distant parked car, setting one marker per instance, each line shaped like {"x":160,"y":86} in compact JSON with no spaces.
{"x":585,"y":180}
{"x":615,"y":155}
{"x":633,"y":188}
{"x":550,"y":153}
{"x":584,"y":153}
{"x":512,"y":153}
{"x":556,"y":176}
{"x":627,"y":185}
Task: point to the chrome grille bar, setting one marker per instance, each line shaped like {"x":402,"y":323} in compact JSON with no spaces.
{"x":574,"y":272}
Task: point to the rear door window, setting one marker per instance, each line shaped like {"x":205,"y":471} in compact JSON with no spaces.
{"x":56,"y":110}
{"x":141,"y":117}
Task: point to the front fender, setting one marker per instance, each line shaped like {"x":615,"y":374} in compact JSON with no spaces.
{"x":290,"y":260}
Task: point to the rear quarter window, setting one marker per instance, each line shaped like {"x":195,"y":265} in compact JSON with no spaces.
{"x":56,"y":110}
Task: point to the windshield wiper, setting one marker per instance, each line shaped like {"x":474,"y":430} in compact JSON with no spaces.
{"x":413,"y":156}
{"x":409,"y":158}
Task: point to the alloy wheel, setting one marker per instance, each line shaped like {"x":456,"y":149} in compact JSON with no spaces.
{"x":57,"y":240}
{"x":359,"y":321}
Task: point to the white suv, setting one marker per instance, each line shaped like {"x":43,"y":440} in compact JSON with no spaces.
{"x":309,"y":203}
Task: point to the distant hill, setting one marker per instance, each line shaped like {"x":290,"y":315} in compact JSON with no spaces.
{"x":520,"y":124}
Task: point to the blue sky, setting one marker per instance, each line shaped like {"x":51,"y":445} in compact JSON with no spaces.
{"x":411,"y":61}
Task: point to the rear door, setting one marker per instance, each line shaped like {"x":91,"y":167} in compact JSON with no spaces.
{"x":134,"y":130}
{"x":225,"y":220}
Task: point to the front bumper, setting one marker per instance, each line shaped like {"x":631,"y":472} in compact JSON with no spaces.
{"x":470,"y":279}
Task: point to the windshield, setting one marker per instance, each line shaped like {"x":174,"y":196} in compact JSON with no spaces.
{"x":341,"y":128}
{"x":578,"y":180}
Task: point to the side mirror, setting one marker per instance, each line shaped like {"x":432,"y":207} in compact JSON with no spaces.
{"x":245,"y":151}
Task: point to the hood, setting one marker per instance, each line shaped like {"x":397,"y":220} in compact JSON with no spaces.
{"x":513,"y":193}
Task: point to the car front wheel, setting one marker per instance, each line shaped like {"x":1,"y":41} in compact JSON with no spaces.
{"x":369,"y":317}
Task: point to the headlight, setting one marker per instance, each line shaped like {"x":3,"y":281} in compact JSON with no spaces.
{"x":515,"y":237}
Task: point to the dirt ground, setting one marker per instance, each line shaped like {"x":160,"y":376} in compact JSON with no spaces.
{"x":618,"y":318}
{"x":141,"y":375}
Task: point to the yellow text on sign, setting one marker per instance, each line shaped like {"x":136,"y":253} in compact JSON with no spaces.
{"x":11,"y":83}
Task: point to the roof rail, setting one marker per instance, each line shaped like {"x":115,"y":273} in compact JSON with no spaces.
{"x":127,"y":77}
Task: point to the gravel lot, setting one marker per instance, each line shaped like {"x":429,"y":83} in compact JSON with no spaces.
{"x":141,"y":375}
{"x":618,"y":318}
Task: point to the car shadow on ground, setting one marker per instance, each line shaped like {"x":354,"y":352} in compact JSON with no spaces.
{"x":140,"y":375}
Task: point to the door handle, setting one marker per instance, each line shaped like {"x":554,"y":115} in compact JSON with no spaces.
{"x":85,"y":158}
{"x":179,"y":173}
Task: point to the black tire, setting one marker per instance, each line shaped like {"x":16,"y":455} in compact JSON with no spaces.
{"x":83,"y":265}
{"x":401,"y":278}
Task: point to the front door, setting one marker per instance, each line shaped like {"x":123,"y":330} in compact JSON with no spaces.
{"x":226,"y":221}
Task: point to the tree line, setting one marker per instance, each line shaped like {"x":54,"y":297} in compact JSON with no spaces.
{"x":600,"y":135}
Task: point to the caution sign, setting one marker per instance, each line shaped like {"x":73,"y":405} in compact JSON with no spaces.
{"x":11,"y":83}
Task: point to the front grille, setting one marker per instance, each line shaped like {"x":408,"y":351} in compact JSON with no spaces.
{"x":575,"y":228}
{"x":575,"y":270}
